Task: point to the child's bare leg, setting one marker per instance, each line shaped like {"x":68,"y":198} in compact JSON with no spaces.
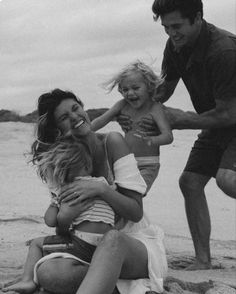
{"x":27,"y":285}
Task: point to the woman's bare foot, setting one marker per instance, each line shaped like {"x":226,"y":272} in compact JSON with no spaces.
{"x":197,"y":265}
{"x":24,"y":287}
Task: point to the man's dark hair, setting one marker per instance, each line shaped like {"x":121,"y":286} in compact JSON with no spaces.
{"x":187,"y":8}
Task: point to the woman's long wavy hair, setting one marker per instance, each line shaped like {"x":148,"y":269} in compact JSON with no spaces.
{"x":46,"y":128}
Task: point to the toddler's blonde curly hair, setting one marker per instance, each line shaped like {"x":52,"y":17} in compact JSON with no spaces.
{"x":152,"y":80}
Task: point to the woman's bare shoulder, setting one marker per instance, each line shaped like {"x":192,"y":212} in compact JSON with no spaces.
{"x":116,"y":145}
{"x":116,"y":139}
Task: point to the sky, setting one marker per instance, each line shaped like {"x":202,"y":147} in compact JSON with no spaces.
{"x":79,"y":44}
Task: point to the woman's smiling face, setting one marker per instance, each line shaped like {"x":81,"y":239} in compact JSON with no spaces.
{"x":71,"y":119}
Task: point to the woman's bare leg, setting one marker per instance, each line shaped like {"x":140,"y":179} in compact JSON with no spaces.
{"x":116,"y":256}
{"x":61,"y":275}
{"x":27,"y":285}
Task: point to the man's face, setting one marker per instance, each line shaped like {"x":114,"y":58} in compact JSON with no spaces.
{"x":180,"y":30}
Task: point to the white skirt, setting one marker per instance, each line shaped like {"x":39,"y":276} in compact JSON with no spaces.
{"x":152,"y":237}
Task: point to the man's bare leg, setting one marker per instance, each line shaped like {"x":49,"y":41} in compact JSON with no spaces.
{"x":192,"y":186}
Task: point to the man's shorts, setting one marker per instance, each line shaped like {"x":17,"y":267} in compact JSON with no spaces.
{"x":212,"y":150}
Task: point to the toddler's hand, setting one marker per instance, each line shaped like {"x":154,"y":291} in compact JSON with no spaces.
{"x":142,"y":136}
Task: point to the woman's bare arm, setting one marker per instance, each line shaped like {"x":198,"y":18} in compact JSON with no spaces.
{"x":127,"y":204}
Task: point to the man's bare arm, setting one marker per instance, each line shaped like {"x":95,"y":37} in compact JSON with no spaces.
{"x":165,"y":91}
{"x":223,"y":115}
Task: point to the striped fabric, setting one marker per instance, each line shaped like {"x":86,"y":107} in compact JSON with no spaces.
{"x":99,"y":212}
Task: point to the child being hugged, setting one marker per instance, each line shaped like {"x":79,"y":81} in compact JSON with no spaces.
{"x":138,"y":84}
{"x":78,"y":233}
{"x":66,"y":161}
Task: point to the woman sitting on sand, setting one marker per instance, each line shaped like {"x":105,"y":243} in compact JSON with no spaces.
{"x":134,"y":252}
{"x":79,"y":231}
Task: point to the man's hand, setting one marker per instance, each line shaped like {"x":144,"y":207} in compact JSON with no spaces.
{"x":125,"y":122}
{"x":147,"y":127}
{"x":180,"y":119}
{"x":174,"y":115}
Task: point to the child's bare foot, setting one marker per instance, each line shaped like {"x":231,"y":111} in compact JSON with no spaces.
{"x":197,"y":265}
{"x":24,"y":287}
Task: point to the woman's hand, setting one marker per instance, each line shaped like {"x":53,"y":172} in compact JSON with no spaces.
{"x":81,"y":190}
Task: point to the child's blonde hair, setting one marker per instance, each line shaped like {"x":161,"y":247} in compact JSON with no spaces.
{"x":64,"y":158}
{"x":152,"y":80}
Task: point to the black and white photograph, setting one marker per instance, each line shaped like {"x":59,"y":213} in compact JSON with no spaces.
{"x":118,"y":146}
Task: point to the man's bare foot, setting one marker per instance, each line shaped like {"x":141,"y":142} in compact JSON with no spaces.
{"x":197,"y":265}
{"x":24,"y":287}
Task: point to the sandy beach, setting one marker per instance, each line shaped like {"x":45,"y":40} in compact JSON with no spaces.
{"x":24,"y":199}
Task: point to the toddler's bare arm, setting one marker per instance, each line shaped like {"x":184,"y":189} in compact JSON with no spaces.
{"x":108,"y":116}
{"x":50,"y":216}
